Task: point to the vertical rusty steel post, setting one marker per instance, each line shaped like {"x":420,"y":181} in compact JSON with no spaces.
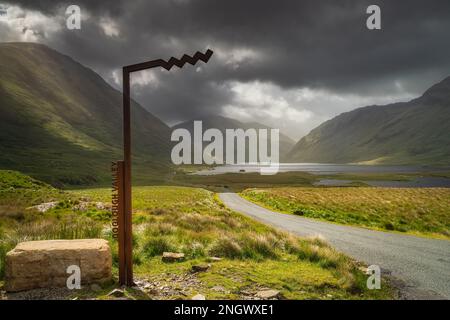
{"x":125,"y":230}
{"x":128,"y":247}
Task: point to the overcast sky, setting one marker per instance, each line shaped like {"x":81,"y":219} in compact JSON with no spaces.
{"x":287,"y":64}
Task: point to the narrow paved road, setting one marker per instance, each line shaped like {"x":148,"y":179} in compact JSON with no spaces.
{"x":422,"y":266}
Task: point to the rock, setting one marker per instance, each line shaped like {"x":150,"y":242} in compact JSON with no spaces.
{"x":82,"y":206}
{"x":153,"y":292}
{"x":95,"y":287}
{"x":200,"y":267}
{"x":118,"y":293}
{"x":362,"y":269}
{"x":101,"y":206}
{"x":198,"y":297}
{"x":215,"y":259}
{"x":268,"y":294}
{"x":44,"y":207}
{"x":218,"y":289}
{"x":246,"y":293}
{"x":172,"y":257}
{"x":43,"y":264}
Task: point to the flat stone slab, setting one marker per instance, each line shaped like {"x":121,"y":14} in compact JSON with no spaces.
{"x":172,"y":256}
{"x":268,"y":294}
{"x":43,"y":264}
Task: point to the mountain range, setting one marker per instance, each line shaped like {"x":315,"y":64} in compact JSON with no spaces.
{"x":62,"y":123}
{"x":414,"y":132}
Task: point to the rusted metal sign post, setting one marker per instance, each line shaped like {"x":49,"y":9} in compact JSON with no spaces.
{"x":124,"y":181}
{"x":118,"y":214}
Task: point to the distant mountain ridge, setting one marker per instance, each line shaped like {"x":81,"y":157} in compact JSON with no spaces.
{"x":62,"y":123}
{"x":222,"y":123}
{"x":414,"y":132}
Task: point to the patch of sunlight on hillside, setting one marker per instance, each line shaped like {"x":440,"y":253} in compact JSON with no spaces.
{"x":65,"y":131}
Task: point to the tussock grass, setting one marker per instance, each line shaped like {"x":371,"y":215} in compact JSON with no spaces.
{"x":226,"y":247}
{"x":194,"y":221}
{"x":19,"y":223}
{"x":423,"y":211}
{"x":37,"y":227}
{"x":67,"y":227}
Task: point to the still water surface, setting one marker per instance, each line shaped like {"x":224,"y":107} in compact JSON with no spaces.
{"x":329,"y":168}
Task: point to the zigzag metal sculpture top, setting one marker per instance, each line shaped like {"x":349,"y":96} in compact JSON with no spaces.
{"x":125,"y":221}
{"x":171,"y":62}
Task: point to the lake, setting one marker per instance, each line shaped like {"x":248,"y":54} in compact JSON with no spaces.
{"x":329,"y":168}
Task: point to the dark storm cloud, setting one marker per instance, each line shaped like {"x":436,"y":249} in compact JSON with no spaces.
{"x":292,"y":44}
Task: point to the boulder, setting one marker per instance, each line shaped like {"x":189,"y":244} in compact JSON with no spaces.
{"x":219,"y":289}
{"x":200,"y":268}
{"x":118,"y":293}
{"x":215,"y":259}
{"x":268,"y":294}
{"x":44,"y":207}
{"x":172,"y":256}
{"x":43,"y":264}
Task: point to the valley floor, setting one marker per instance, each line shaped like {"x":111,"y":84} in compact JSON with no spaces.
{"x":227,"y":255}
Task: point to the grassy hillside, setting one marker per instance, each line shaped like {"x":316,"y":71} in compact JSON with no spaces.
{"x":415,"y":132}
{"x":61,"y":122}
{"x":18,"y":190}
{"x":422,"y":211}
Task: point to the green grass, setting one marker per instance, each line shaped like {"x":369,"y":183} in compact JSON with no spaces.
{"x":419,"y":211}
{"x":241,"y":181}
{"x":293,"y":277}
{"x":192,"y":221}
{"x":238,"y":182}
{"x":17,"y":190}
{"x":195,"y":222}
{"x":19,"y":222}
